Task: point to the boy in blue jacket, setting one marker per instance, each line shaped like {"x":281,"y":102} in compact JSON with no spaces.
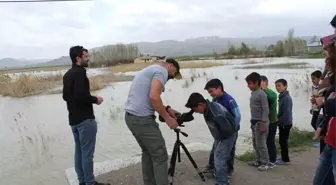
{"x":216,"y":90}
{"x":222,"y":127}
{"x":285,"y":119}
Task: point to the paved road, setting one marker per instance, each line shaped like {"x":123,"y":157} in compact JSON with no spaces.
{"x":300,"y":172}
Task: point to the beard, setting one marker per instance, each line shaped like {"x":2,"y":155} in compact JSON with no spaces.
{"x":84,"y":63}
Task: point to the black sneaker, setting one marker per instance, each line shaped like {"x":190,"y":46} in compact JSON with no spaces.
{"x":83,"y":183}
{"x":98,"y":183}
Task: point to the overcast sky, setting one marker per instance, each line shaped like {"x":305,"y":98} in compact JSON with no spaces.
{"x":47,"y":30}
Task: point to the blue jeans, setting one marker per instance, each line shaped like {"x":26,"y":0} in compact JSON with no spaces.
{"x":326,"y":168}
{"x":85,"y":141}
{"x":230,"y":162}
{"x":222,"y":151}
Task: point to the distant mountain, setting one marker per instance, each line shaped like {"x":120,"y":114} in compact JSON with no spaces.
{"x":64,"y":60}
{"x":188,"y":47}
{"x":13,"y":63}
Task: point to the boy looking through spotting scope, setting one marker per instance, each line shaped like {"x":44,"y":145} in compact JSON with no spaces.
{"x":216,"y":90}
{"x":222,"y":127}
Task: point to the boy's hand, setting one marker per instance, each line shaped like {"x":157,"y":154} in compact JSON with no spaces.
{"x":332,"y":95}
{"x":313,"y":100}
{"x":318,"y":133}
{"x":320,"y":101}
{"x":262,"y":127}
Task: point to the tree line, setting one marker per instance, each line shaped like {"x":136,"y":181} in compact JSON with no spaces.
{"x":292,"y":46}
{"x":111,"y":55}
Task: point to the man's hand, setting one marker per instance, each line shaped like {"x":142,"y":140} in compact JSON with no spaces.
{"x":172,"y":113}
{"x":320,"y":101}
{"x":99,"y":100}
{"x":318,"y":133}
{"x":171,"y":122}
{"x":262,"y":126}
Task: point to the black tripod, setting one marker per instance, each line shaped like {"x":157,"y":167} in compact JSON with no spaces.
{"x":177,"y":153}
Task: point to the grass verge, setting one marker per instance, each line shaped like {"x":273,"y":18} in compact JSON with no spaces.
{"x":298,"y":140}
{"x":300,"y":65}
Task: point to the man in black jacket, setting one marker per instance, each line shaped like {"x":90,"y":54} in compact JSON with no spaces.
{"x":76,"y":93}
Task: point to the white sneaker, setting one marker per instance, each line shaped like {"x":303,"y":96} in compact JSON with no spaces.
{"x":263,"y":167}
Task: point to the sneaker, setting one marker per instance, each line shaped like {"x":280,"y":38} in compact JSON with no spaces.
{"x":263,"y":167}
{"x":271,"y":165}
{"x":281,"y":162}
{"x":208,"y":169}
{"x":254,"y":163}
{"x":317,"y":145}
{"x":98,"y":183}
{"x":230,"y":173}
{"x":83,"y":183}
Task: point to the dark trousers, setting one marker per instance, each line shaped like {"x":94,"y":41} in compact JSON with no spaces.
{"x":284,"y":131}
{"x":322,"y":145}
{"x":271,"y":142}
{"x":314,"y":119}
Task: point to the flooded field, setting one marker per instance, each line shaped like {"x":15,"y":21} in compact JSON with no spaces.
{"x":37,"y":143}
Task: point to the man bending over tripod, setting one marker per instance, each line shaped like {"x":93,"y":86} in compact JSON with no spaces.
{"x":143,"y":100}
{"x":223,"y":128}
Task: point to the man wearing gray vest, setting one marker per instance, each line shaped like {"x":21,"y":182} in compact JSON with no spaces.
{"x":143,"y":100}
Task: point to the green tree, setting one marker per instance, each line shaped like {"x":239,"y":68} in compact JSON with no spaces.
{"x":244,"y":49}
{"x":232,"y":50}
{"x":215,"y":55}
{"x":279,"y":49}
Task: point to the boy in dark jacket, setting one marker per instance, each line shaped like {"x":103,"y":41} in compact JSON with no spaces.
{"x":285,"y":119}
{"x":216,"y":90}
{"x":222,"y":127}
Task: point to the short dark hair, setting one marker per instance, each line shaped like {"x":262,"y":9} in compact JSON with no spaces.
{"x":195,"y":99}
{"x":316,"y":74}
{"x":214,"y":83}
{"x":76,"y":51}
{"x":282,"y":81}
{"x":263,"y":78}
{"x":174,"y":62}
{"x":253,"y":77}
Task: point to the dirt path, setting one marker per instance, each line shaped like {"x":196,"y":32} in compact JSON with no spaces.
{"x":300,"y":172}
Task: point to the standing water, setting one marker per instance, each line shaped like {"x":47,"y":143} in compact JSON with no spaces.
{"x":37,"y":143}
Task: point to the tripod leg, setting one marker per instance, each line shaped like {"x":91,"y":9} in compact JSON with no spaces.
{"x":173,"y":159}
{"x":200,"y":173}
{"x":179,"y":154}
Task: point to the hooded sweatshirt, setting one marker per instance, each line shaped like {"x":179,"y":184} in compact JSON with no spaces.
{"x":230,"y":104}
{"x":220,"y":121}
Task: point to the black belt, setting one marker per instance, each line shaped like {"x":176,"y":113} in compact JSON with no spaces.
{"x":129,"y":114}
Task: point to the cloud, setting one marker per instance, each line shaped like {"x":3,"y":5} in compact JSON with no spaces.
{"x":47,"y":30}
